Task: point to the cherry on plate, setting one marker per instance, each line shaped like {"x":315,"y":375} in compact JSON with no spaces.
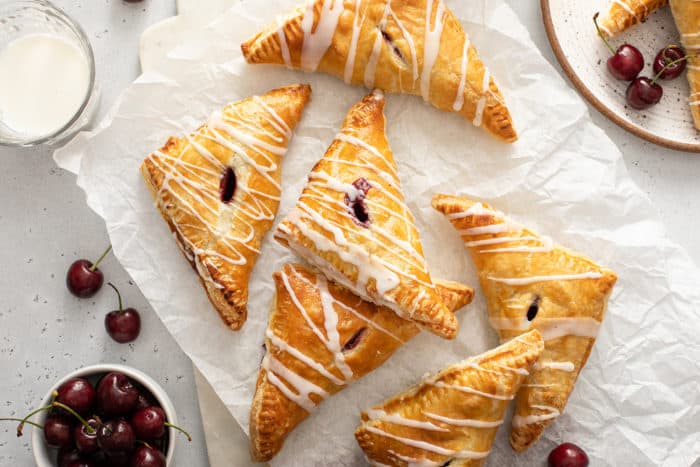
{"x":122,"y":325}
{"x":643,"y":93}
{"x":116,"y":395}
{"x":84,"y":279}
{"x":116,"y":436}
{"x":146,"y":456}
{"x":670,"y":62}
{"x":58,"y":432}
{"x":78,"y":394}
{"x":626,"y":62}
{"x":567,"y":455}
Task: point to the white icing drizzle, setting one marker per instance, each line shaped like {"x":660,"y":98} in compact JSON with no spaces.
{"x":468,"y":422}
{"x":196,"y":188}
{"x":459,"y":100}
{"x":412,"y":461}
{"x":409,"y":40}
{"x":481,"y":104}
{"x":352,"y":51}
{"x":550,"y":328}
{"x":396,"y":419}
{"x":302,"y":387}
{"x":412,"y":442}
{"x":561,"y":366}
{"x":299,"y":355}
{"x":554,"y":277}
{"x":283,"y":43}
{"x":626,"y":7}
{"x":371,"y":68}
{"x":431,"y":45}
{"x":520,"y":421}
{"x":470,"y":390}
{"x":316,"y":43}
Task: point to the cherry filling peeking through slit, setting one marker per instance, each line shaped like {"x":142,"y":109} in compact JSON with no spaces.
{"x":354,"y":340}
{"x":355,"y":201}
{"x":390,"y":42}
{"x":534,"y":308}
{"x":227,"y":185}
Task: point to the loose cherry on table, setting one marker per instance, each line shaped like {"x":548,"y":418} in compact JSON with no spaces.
{"x":116,"y":395}
{"x":663,"y":62}
{"x":122,"y":325}
{"x":567,"y":455}
{"x":626,"y":62}
{"x":84,"y":279}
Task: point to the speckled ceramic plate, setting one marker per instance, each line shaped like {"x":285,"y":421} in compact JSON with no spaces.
{"x":570,"y":28}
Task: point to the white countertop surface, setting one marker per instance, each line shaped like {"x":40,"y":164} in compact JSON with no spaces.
{"x":45,"y":225}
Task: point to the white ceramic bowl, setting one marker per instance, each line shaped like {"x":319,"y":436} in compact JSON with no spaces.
{"x":46,"y":457}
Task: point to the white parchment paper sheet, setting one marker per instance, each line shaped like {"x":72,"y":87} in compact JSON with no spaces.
{"x":637,"y":401}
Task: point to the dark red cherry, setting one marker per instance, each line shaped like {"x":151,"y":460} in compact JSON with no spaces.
{"x":643,"y":93}
{"x":117,"y":459}
{"x":84,"y":279}
{"x":666,"y":58}
{"x":149,"y":423}
{"x":145,"y":400}
{"x":626,"y":63}
{"x":58,"y":432}
{"x":83,"y":463}
{"x":78,"y":394}
{"x":227,"y":185}
{"x":116,"y":435}
{"x":567,"y":455}
{"x":86,"y":441}
{"x":123,"y":325}
{"x":116,"y":395}
{"x":146,"y":456}
{"x":68,"y":455}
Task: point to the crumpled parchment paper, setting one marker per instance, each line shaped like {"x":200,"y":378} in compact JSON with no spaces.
{"x":637,"y":401}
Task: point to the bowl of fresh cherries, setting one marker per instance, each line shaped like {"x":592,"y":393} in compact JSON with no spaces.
{"x":104,"y":415}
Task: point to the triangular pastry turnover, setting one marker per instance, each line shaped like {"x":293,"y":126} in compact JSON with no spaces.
{"x":321,"y":338}
{"x":530,"y":282}
{"x":401,"y":46}
{"x":219,"y":188}
{"x":623,"y":14}
{"x":687,"y":16}
{"x":352,"y":223}
{"x":451,"y":418}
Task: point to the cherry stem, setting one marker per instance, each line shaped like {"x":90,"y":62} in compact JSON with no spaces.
{"x":118,"y":295}
{"x":99,"y":260}
{"x":87,"y":426}
{"x":600,"y":34}
{"x":668,"y":65}
{"x":10,"y":419}
{"x":181,"y":430}
{"x":25,"y":420}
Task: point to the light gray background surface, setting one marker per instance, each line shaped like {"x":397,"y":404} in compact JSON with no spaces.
{"x":45,"y":225}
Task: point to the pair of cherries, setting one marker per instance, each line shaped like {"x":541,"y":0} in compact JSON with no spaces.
{"x":84,"y":279}
{"x":627,"y":62}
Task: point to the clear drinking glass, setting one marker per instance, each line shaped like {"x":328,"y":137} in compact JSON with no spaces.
{"x":21,"y":17}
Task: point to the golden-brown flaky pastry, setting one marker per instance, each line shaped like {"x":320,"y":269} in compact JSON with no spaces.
{"x":321,"y":338}
{"x":529,"y":282}
{"x":687,"y":16}
{"x":451,"y":418}
{"x":623,"y":14}
{"x":400,"y":46}
{"x":219,"y":188}
{"x":352,"y":223}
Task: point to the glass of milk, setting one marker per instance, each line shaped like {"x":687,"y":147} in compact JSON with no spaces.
{"x":47,"y":74}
